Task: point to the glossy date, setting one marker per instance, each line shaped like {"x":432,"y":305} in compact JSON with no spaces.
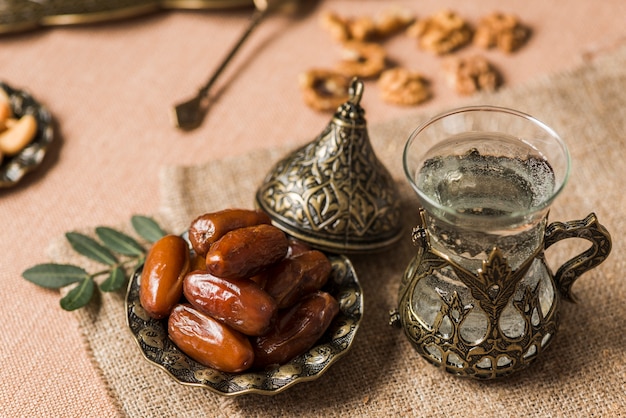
{"x":208,"y":341}
{"x":239,"y":303}
{"x":208,"y":228}
{"x":244,"y":252}
{"x":294,"y":277}
{"x":161,"y":285}
{"x":296,"y":330}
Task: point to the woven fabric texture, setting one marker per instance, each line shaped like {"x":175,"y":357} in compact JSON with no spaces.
{"x":583,"y":373}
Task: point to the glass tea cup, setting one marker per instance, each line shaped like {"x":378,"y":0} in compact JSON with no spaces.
{"x":478,"y":298}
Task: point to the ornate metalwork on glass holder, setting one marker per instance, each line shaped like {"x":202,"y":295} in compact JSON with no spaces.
{"x":495,"y":321}
{"x":589,"y":229}
{"x":334,"y":193}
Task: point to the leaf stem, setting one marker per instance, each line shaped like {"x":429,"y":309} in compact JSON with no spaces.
{"x":123,"y":264}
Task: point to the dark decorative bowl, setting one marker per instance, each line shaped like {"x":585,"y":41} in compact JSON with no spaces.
{"x":151,"y":336}
{"x":13,"y":169}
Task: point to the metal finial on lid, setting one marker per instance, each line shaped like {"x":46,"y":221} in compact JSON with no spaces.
{"x":334,"y":193}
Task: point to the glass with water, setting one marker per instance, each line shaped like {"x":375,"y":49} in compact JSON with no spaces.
{"x":478,"y":299}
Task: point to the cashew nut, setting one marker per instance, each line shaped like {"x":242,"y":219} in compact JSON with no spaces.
{"x":5,"y":113}
{"x":19,"y":135}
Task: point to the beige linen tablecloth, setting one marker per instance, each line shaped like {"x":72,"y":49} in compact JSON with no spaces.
{"x":583,"y":373}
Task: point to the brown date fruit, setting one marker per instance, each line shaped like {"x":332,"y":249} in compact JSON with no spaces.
{"x":259,"y":279}
{"x":292,"y":278}
{"x":238,"y":303}
{"x":198,"y":262}
{"x":244,"y":252}
{"x":208,"y":341}
{"x":297,"y":247}
{"x":296,"y":330}
{"x":208,"y":228}
{"x":161,"y":285}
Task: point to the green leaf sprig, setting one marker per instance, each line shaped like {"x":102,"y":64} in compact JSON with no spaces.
{"x":105,"y":251}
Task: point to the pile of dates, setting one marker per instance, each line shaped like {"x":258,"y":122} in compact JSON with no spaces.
{"x":247,"y":296}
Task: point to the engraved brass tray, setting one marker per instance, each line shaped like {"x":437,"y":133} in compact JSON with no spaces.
{"x":151,"y":336}
{"x":13,"y":169}
{"x":20,"y":15}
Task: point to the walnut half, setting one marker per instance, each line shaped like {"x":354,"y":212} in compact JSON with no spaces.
{"x":403,"y":87}
{"x":500,"y":30}
{"x":366,"y":28}
{"x":472,"y":74}
{"x":324,"y":90}
{"x":362,"y":59}
{"x":441,"y":33}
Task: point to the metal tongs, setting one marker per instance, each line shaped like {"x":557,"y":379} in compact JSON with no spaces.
{"x":189,"y":114}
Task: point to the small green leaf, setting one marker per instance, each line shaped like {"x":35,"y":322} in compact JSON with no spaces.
{"x":54,"y":276}
{"x":79,"y":296}
{"x":89,"y":247}
{"x":140,"y":263}
{"x":147,"y":228}
{"x":119,"y":242}
{"x":115,"y":281}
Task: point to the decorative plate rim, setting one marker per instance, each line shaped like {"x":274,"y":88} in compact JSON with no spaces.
{"x":14,"y":168}
{"x":151,"y":338}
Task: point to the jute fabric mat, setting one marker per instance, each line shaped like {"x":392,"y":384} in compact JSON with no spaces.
{"x":583,"y":373}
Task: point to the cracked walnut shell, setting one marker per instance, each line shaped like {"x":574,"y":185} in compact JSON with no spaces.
{"x":441,"y":33}
{"x":472,"y":74}
{"x":345,"y":29}
{"x":324,"y":89}
{"x":500,"y":30}
{"x":403,"y":87}
{"x":366,"y":28}
{"x":392,"y":21}
{"x":362,"y":59}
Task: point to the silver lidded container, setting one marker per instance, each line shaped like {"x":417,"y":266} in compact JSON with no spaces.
{"x":333,"y":193}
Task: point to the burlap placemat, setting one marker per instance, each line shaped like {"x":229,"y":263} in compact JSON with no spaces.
{"x":583,"y":373}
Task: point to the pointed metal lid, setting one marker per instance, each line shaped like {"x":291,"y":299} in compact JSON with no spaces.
{"x":334,"y":193}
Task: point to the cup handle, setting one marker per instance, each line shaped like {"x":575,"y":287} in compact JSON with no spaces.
{"x":589,"y":229}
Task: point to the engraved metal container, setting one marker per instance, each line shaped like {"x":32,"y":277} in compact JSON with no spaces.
{"x":334,"y":193}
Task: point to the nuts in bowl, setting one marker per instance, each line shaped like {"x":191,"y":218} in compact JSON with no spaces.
{"x":257,"y":313}
{"x":26,"y":131}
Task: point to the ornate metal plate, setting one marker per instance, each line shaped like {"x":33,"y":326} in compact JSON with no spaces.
{"x":158,"y":349}
{"x":12,"y":169}
{"x":19,"y":15}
